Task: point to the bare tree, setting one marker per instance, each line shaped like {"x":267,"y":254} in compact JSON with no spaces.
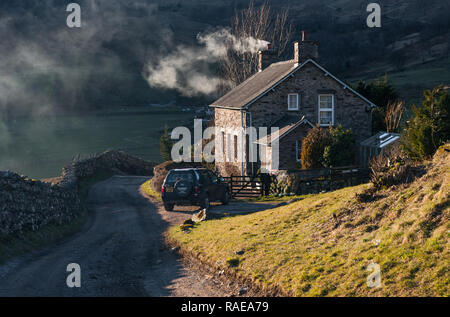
{"x":259,"y":23}
{"x":394,"y":113}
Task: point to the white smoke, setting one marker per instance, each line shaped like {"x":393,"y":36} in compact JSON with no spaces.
{"x":186,"y":69}
{"x":47,"y":68}
{"x":217,"y":43}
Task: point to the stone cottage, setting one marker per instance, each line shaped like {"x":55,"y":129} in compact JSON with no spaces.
{"x":293,"y":96}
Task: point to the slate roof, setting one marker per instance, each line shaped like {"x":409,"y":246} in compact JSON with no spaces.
{"x":260,"y":83}
{"x":255,"y":85}
{"x":286,"y":125}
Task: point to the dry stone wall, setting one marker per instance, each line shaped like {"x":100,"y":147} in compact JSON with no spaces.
{"x":29,"y":205}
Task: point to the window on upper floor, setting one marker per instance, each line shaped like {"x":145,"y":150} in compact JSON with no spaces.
{"x":326,"y":110}
{"x":293,"y":101}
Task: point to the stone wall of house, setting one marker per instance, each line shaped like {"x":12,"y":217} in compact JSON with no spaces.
{"x":350,"y":110}
{"x":29,"y":205}
{"x":231,"y":120}
{"x":287,"y":148}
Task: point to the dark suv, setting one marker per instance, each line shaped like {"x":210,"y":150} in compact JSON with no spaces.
{"x":193,"y":186}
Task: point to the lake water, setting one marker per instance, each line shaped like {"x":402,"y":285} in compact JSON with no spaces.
{"x":40,"y":147}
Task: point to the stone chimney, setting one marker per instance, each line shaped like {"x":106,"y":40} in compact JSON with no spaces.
{"x":266,"y":57}
{"x":306,"y":49}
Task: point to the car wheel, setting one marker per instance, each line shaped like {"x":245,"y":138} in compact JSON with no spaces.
{"x":168,"y":207}
{"x":205,"y":203}
{"x":226,"y":198}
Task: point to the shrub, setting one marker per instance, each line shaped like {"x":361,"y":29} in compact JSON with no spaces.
{"x":323,"y":147}
{"x":393,"y":116}
{"x":430,"y":126}
{"x":341,"y":151}
{"x":313,"y":146}
{"x":390,"y":168}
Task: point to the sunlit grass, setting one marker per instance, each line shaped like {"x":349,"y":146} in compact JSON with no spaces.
{"x":322,"y":244}
{"x":148,"y":190}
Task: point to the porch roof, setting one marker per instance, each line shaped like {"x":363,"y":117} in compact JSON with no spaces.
{"x":285,"y":125}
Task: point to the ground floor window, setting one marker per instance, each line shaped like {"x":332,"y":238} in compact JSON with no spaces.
{"x":235,"y":148}
{"x":229,"y":148}
{"x":298,"y":151}
{"x":223,"y":145}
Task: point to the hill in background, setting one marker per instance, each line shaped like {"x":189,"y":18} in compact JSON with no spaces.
{"x":47,"y":65}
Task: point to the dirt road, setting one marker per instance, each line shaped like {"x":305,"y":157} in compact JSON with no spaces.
{"x":120,"y":250}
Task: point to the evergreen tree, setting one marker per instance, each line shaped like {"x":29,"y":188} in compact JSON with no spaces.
{"x":429,"y":128}
{"x":165,"y":145}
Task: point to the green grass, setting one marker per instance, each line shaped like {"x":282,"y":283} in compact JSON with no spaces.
{"x":14,"y":246}
{"x":149,"y":191}
{"x":303,"y":250}
{"x":277,"y":198}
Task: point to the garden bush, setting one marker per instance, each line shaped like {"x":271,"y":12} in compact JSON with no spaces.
{"x":328,"y":147}
{"x":341,"y":150}
{"x":313,"y":147}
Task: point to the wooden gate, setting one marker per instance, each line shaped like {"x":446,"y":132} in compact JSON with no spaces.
{"x":248,"y":186}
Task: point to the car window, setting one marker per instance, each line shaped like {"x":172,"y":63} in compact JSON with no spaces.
{"x":176,"y":176}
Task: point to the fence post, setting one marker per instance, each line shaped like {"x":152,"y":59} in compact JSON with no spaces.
{"x":331,"y":179}
{"x":231,"y":182}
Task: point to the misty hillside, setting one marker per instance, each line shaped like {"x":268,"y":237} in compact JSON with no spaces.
{"x":45,"y":65}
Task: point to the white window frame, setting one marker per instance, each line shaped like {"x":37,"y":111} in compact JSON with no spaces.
{"x":325,"y":110}
{"x":298,"y":102}
{"x":297,"y":149}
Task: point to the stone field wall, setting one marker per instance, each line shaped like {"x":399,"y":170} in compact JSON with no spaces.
{"x":29,"y":205}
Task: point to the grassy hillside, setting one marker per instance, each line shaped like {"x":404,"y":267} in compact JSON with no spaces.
{"x":306,"y":251}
